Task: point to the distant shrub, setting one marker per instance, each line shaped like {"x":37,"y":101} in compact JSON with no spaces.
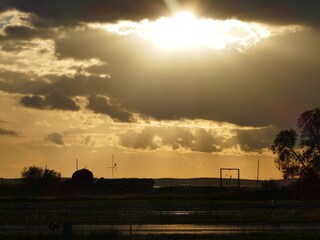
{"x":37,"y":176}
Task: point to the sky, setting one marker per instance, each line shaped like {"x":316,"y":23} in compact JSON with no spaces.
{"x":170,"y":88}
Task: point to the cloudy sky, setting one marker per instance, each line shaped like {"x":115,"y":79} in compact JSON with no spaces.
{"x":170,"y":88}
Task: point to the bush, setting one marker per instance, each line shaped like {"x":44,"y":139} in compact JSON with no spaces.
{"x":37,"y":176}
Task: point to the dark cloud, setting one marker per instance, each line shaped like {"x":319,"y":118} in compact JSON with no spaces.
{"x":199,"y":140}
{"x":54,"y":100}
{"x":99,"y":41}
{"x":257,"y":139}
{"x":61,"y":12}
{"x":10,"y":133}
{"x":270,"y":11}
{"x":206,"y":141}
{"x":139,"y":140}
{"x":256,"y":89}
{"x":15,"y":32}
{"x":24,"y":83}
{"x":153,"y":138}
{"x":19,"y":32}
{"x":33,"y":102}
{"x":57,"y":100}
{"x":55,"y":138}
{"x":100,"y":104}
{"x":79,"y":85}
{"x":28,"y":27}
{"x":18,"y":82}
{"x":270,"y":84}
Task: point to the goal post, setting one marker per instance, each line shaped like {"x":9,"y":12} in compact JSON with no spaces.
{"x":229,"y":169}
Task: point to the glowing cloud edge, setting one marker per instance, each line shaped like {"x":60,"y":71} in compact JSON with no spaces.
{"x":184,"y":30}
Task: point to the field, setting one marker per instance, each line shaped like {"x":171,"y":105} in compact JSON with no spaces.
{"x":171,"y":213}
{"x":155,"y":211}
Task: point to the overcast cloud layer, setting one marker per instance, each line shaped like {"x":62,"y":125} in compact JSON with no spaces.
{"x":57,"y":67}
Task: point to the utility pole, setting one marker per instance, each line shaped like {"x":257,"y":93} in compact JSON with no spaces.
{"x":113,"y":166}
{"x":77,"y":165}
{"x":258,"y":169}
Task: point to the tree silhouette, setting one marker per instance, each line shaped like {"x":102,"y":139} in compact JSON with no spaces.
{"x":36,"y":176}
{"x":302,"y":159}
{"x":32,"y":175}
{"x":50,"y":177}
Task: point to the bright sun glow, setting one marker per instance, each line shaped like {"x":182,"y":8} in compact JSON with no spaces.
{"x":184,"y":30}
{"x":175,"y":32}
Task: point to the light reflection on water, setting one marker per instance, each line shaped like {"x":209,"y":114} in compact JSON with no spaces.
{"x":199,"y":229}
{"x":153,"y":229}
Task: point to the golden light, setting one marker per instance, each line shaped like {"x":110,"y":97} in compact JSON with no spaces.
{"x":174,"y":32}
{"x":185,"y":30}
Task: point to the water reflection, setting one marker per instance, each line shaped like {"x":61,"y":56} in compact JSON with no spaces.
{"x":198,"y":229}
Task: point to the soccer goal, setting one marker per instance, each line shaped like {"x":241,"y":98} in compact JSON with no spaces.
{"x":229,"y":177}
